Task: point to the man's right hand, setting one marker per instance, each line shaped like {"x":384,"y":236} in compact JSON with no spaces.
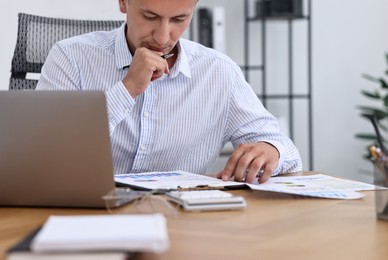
{"x":146,"y":66}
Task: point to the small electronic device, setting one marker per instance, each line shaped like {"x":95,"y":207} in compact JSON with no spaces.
{"x":207,"y":200}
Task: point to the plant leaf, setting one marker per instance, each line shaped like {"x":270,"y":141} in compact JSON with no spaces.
{"x":376,"y":112}
{"x":379,"y":114}
{"x":386,"y":57}
{"x":371,"y":78}
{"x":374,"y":95}
{"x":384,"y":84}
{"x":367,"y":136}
{"x":367,"y":108}
{"x":371,"y":110}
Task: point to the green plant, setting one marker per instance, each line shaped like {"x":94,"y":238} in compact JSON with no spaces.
{"x":380,"y":113}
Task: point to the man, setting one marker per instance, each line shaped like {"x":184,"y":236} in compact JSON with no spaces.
{"x":171,"y":113}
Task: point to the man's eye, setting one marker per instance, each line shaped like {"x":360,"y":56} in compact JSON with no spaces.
{"x":150,"y":17}
{"x":178,"y":20}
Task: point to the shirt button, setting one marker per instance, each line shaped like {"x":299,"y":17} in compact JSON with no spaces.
{"x":146,"y":114}
{"x":126,"y":111}
{"x":142,"y":147}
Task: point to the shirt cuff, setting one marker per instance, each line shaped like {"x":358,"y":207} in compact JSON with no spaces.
{"x":282,"y":152}
{"x":119,"y":104}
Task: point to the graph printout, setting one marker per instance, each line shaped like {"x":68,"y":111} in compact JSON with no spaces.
{"x":318,"y":185}
{"x":171,"y":180}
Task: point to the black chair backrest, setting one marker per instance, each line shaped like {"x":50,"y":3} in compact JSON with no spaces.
{"x":37,"y":35}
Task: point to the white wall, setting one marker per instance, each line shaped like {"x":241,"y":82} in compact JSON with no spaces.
{"x":349,"y":38}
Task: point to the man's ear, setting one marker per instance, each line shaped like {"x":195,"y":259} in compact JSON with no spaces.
{"x":123,"y":6}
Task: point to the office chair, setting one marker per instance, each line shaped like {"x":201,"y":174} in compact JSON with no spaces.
{"x":36,"y":35}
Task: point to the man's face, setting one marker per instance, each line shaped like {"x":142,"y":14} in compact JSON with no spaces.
{"x":156,"y":24}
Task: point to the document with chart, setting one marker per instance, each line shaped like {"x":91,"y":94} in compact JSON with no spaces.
{"x":317,"y":185}
{"x":174,"y":180}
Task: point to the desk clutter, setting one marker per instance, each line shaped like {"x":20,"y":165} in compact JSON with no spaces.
{"x":94,"y":237}
{"x":315,"y":185}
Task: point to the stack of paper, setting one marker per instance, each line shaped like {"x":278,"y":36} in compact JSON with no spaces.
{"x":93,"y":237}
{"x":103,"y":233}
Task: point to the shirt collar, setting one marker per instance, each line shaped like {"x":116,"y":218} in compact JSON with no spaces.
{"x":181,"y":63}
{"x":123,"y":56}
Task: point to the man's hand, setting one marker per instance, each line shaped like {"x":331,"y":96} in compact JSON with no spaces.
{"x":248,"y":160}
{"x":146,"y":66}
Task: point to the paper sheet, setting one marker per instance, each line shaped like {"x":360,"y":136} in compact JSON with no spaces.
{"x":318,"y":185}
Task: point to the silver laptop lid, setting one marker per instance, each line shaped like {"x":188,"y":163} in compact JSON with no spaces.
{"x":54,"y":149}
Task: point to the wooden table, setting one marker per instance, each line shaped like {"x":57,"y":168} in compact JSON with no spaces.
{"x":274,"y":226}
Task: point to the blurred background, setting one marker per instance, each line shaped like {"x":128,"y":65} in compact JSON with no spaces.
{"x":348,"y":39}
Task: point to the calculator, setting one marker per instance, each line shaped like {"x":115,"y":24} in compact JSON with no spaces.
{"x":207,"y":200}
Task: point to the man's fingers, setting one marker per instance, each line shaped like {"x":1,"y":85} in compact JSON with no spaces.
{"x":243,"y":172}
{"x":230,"y":166}
{"x":253,"y":170}
{"x":224,"y":175}
{"x":160,"y":68}
{"x":265,"y":176}
{"x":267,"y":171}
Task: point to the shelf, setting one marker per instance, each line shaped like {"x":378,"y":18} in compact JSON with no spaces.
{"x":279,"y":18}
{"x":262,"y":22}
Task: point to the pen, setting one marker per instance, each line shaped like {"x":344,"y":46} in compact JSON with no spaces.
{"x":164,"y":56}
{"x":200,"y":187}
{"x":380,"y":140}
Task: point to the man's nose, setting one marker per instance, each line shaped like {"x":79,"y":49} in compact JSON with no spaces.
{"x":162,"y":33}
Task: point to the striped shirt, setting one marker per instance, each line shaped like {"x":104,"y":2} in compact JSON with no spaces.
{"x":182,"y":120}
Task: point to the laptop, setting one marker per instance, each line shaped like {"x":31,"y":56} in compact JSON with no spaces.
{"x":55,"y":150}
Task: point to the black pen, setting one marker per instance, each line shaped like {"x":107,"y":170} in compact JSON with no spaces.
{"x":200,"y":187}
{"x":164,"y":56}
